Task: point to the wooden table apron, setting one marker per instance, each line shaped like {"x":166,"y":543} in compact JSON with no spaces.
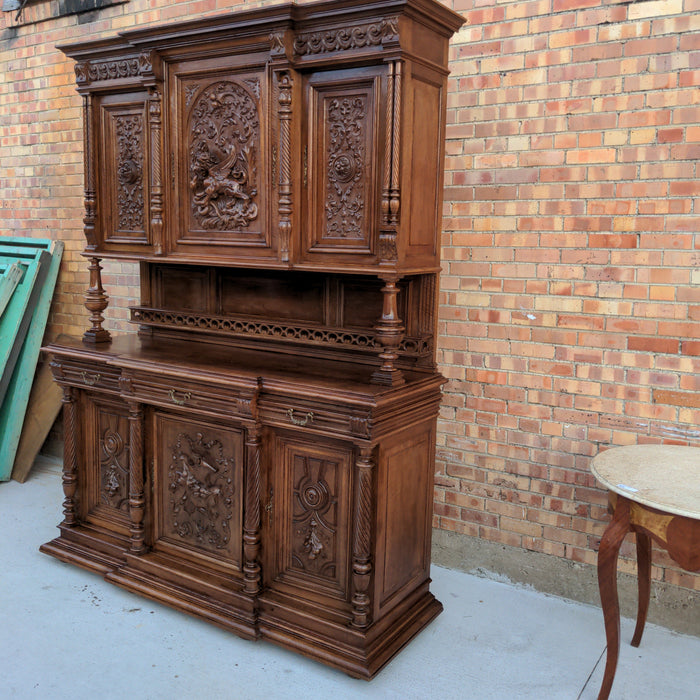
{"x":678,"y":535}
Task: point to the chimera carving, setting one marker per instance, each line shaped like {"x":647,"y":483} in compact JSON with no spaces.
{"x":224,"y":144}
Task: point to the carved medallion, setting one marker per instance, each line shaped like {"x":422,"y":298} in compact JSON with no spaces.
{"x":201,"y":492}
{"x":224,"y":134}
{"x":315,"y":519}
{"x":345,"y":205}
{"x":114,"y":462}
{"x":130,"y":208}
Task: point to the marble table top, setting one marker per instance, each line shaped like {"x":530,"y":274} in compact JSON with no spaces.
{"x":666,"y":477}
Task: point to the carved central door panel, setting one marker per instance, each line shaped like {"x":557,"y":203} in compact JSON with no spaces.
{"x":309,"y":514}
{"x":105,"y":491}
{"x":219,"y":169}
{"x":197,"y":485}
{"x":123,"y":176}
{"x":343,"y":161}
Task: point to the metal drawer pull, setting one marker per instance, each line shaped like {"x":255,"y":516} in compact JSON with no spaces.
{"x":180,"y":402}
{"x":90,"y":379}
{"x":300,"y":421}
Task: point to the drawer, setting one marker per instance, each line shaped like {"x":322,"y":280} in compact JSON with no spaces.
{"x":314,"y":416}
{"x":174,"y":392}
{"x":87,"y":375}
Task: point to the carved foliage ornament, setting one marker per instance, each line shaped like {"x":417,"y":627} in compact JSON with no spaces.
{"x":345,"y":202}
{"x":224,"y":133}
{"x":315,"y":519}
{"x":347,"y":37}
{"x":130,"y":207}
{"x":201,"y":491}
{"x":114,"y":460}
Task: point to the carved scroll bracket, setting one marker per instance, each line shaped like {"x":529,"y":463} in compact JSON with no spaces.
{"x":389,"y":332}
{"x":362,"y":539}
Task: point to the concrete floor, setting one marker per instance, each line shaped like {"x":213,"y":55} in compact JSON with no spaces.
{"x":65,"y":633}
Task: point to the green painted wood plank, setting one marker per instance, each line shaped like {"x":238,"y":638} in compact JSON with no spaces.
{"x":14,"y":406}
{"x":14,"y":323}
{"x":9,"y":280}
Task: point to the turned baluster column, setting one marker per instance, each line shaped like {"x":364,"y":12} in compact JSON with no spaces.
{"x":389,"y":333}
{"x":70,"y":457}
{"x":137,"y":498}
{"x":362,"y":540}
{"x":96,"y":302}
{"x":251,"y":525}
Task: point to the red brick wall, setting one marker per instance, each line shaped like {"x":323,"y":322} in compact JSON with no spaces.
{"x":570,"y":312}
{"x":571,"y":287}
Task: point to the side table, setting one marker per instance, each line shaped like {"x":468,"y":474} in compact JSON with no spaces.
{"x":654,"y":491}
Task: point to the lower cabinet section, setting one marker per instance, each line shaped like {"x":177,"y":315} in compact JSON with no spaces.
{"x":313,"y":537}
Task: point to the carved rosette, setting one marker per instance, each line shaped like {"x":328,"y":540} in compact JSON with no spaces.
{"x":315,"y":524}
{"x":224,"y":128}
{"x":345,"y":205}
{"x":346,"y":38}
{"x":201,"y":492}
{"x":130,"y":143}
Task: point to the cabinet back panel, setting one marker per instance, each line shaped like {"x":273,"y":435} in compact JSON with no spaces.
{"x":290,"y":296}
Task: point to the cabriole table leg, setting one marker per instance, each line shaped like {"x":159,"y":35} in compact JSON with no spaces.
{"x":607,"y":582}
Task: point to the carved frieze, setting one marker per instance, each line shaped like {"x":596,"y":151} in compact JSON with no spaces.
{"x":224,"y":143}
{"x":130,"y":198}
{"x":346,"y":38}
{"x":201,"y":490}
{"x":90,"y":71}
{"x":345,"y":202}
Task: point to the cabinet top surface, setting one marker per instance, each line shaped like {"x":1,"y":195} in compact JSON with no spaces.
{"x":666,"y":477}
{"x":274,"y":372}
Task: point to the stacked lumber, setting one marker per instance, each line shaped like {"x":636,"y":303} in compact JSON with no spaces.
{"x":28,"y":272}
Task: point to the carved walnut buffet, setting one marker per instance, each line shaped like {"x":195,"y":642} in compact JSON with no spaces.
{"x":261,"y":454}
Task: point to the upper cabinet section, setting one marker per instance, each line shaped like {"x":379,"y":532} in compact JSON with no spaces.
{"x":294,"y":136}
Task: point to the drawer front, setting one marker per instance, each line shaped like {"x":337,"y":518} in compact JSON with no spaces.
{"x":315,"y":416}
{"x":87,"y":375}
{"x":188,"y":395}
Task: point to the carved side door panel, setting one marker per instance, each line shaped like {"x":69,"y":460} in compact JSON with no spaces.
{"x":105,"y":487}
{"x":343,"y":162}
{"x":219,"y":164}
{"x":197,"y":491}
{"x":309,"y":516}
{"x":123,"y":172}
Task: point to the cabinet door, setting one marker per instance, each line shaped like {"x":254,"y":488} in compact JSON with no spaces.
{"x":104,"y":496}
{"x":198,"y":491}
{"x":311,"y":490}
{"x":343,"y":162}
{"x":123,"y":173}
{"x":219,"y":161}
